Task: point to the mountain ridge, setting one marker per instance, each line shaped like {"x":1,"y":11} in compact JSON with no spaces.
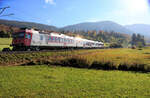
{"x":109,"y":26}
{"x":22,"y":24}
{"x":102,"y":25}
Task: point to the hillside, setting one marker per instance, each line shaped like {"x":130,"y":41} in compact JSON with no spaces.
{"x":108,"y":26}
{"x":19,"y":24}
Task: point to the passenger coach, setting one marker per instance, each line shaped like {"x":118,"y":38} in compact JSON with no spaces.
{"x":30,"y":39}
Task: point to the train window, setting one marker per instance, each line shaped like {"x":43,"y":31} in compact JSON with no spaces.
{"x":19,"y":35}
{"x":41,"y":37}
{"x":62,"y":40}
{"x":58,"y":39}
{"x":66,"y":40}
{"x":50,"y":38}
{"x":28,"y":36}
{"x":53,"y":38}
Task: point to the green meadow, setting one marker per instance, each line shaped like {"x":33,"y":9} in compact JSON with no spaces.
{"x":67,"y":82}
{"x":87,"y":73}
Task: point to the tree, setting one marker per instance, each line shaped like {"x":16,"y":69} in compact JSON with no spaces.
{"x":138,"y":40}
{"x":133,"y":41}
{"x":115,"y":45}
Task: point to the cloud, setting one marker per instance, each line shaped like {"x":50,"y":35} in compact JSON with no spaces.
{"x":50,"y":2}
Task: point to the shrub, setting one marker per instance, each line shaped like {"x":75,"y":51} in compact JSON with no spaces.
{"x":77,"y":62}
{"x":115,"y":45}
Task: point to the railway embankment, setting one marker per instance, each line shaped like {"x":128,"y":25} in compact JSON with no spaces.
{"x":106,"y":59}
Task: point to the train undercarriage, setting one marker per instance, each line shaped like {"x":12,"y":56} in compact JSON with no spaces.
{"x":42,"y":48}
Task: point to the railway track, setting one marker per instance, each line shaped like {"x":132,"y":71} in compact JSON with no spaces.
{"x":23,"y":52}
{"x":43,"y":51}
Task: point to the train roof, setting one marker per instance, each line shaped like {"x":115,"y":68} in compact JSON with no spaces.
{"x":56,"y":34}
{"x":60,"y":35}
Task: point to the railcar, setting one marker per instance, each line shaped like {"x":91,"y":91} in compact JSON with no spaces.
{"x":35,"y":40}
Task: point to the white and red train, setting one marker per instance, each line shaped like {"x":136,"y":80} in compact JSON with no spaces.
{"x":30,"y":39}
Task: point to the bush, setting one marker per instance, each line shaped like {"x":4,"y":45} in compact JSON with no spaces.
{"x":133,"y":47}
{"x":76,"y":62}
{"x":115,"y":45}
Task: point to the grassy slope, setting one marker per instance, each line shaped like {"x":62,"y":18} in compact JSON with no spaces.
{"x":42,"y":81}
{"x":119,"y":59}
{"x":5,"y":43}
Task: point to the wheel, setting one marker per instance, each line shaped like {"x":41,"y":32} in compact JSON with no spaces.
{"x":14,"y":49}
{"x":28,"y":49}
{"x":37,"y":49}
{"x":6,"y":49}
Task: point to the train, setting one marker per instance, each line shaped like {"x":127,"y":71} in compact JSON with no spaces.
{"x":36,"y":40}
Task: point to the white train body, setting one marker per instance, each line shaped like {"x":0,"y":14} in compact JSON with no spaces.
{"x":33,"y":39}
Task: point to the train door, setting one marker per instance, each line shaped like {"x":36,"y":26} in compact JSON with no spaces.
{"x":46,"y":39}
{"x":42,"y":40}
{"x":28,"y":38}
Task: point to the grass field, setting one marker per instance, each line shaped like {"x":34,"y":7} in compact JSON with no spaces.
{"x":41,"y":79}
{"x":57,"y":82}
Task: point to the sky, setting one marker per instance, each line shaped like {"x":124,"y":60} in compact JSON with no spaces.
{"x":67,"y":12}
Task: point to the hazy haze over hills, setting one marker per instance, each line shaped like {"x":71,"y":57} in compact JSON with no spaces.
{"x":103,"y":25}
{"x":143,"y":29}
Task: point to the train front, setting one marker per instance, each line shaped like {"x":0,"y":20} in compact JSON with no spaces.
{"x":21,"y":40}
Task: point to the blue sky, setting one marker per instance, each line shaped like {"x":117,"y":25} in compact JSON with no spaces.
{"x":66,"y":12}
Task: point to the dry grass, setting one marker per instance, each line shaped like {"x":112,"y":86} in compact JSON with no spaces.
{"x":108,"y":59}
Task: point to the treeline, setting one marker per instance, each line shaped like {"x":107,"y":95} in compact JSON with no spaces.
{"x":107,"y":37}
{"x":6,"y":31}
{"x":138,"y":40}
